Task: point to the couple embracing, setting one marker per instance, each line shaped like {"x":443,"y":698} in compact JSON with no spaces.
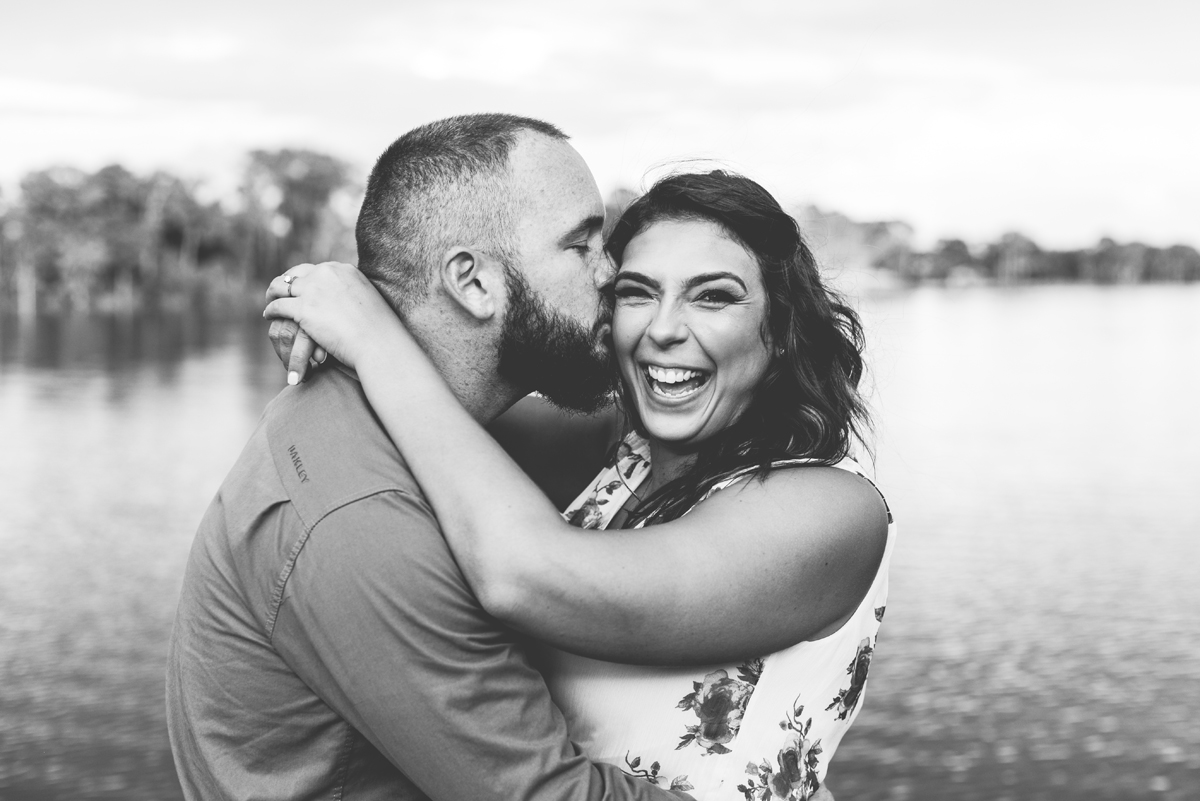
{"x":382,"y":602}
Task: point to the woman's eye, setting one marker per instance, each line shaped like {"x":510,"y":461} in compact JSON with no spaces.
{"x":628,"y":291}
{"x":716,"y":297}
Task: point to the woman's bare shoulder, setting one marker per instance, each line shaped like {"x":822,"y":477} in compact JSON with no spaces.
{"x":796,"y":509}
{"x":827,"y":490}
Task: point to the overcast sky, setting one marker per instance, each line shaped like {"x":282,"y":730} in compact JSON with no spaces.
{"x":1066,"y":119}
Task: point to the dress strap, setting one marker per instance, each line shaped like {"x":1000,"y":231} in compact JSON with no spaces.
{"x":628,"y":466}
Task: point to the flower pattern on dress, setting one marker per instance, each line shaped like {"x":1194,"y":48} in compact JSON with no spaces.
{"x":636,"y":770}
{"x":794,"y":775}
{"x":847,"y":699}
{"x":628,"y":459}
{"x":720,"y":702}
{"x":589,"y":515}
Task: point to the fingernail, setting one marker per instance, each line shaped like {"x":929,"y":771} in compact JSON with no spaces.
{"x":293,"y":378}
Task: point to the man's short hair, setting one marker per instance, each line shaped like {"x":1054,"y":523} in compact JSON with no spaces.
{"x":438,"y":185}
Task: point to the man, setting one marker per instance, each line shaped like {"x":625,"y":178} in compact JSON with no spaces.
{"x":326,"y":645}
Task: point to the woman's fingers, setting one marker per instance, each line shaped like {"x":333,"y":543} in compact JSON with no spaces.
{"x":309,"y":278}
{"x":302,"y":350}
{"x":278,"y":288}
{"x":280,"y":284}
{"x":293,"y":345}
{"x":285,"y":308}
{"x":282,"y":334}
{"x":286,"y":284}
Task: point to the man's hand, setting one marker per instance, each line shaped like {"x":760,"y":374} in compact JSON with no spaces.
{"x":822,"y":794}
{"x":294,"y":348}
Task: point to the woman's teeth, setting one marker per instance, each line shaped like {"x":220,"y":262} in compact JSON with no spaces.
{"x":672,"y":382}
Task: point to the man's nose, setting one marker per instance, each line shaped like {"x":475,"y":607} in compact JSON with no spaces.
{"x":604,"y":269}
{"x":669,"y":326}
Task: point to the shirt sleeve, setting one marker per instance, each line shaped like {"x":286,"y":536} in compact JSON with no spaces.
{"x":378,"y":620}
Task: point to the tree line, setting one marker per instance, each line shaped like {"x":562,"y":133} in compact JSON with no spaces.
{"x":1013,"y":258}
{"x":111,"y":239}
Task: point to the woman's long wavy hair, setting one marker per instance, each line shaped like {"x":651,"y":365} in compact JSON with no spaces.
{"x":807,"y":404}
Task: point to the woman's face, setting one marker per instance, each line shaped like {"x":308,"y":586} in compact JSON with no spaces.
{"x":687,"y":329}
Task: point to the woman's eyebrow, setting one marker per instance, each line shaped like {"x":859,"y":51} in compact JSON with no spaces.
{"x":632,"y":275}
{"x":704,"y":278}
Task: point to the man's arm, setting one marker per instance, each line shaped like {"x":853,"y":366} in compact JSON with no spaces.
{"x":377,"y":619}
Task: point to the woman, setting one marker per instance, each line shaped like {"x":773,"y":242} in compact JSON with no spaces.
{"x":735,"y":364}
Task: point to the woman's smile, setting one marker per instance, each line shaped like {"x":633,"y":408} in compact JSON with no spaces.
{"x":674,"y":383}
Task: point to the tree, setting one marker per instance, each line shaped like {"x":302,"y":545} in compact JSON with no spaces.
{"x":1013,"y":259}
{"x":291,"y":209}
{"x":1176,"y":263}
{"x":1112,"y":263}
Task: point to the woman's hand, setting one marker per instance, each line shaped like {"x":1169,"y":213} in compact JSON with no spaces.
{"x":335,"y":305}
{"x":295,"y":348}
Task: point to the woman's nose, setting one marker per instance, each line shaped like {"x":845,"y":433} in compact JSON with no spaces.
{"x":668,"y":326}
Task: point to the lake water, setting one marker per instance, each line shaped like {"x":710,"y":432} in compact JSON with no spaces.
{"x":1040,"y":448}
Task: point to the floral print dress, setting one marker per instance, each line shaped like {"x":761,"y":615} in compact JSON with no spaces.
{"x":761,"y":729}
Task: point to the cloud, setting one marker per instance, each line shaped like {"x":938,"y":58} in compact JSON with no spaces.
{"x":23,"y":96}
{"x":189,"y":47}
{"x":963,"y":118}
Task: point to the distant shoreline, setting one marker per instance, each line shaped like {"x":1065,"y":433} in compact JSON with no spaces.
{"x":114,"y":241}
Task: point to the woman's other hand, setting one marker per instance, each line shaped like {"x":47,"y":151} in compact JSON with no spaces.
{"x":295,"y":348}
{"x":335,"y":307}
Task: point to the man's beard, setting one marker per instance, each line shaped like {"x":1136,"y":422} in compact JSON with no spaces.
{"x":551,"y":353}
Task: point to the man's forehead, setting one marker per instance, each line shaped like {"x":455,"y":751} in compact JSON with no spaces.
{"x":550,"y":166}
{"x":553,"y":185}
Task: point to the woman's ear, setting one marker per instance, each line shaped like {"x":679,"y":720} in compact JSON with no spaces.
{"x":473,"y":280}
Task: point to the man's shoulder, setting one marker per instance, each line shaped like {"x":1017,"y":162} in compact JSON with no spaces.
{"x":318,"y":465}
{"x":329,"y":449}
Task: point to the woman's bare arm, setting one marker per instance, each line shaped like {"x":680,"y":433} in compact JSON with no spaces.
{"x":559,"y":450}
{"x":757,"y":567}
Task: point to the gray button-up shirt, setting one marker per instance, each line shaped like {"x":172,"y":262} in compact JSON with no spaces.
{"x":327,"y":645}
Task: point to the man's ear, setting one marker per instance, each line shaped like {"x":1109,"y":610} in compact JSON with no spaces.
{"x":473,"y":280}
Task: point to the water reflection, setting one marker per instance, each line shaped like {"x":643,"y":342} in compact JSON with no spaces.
{"x":119,"y":343}
{"x":116,"y":432}
{"x":1040,"y":448}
